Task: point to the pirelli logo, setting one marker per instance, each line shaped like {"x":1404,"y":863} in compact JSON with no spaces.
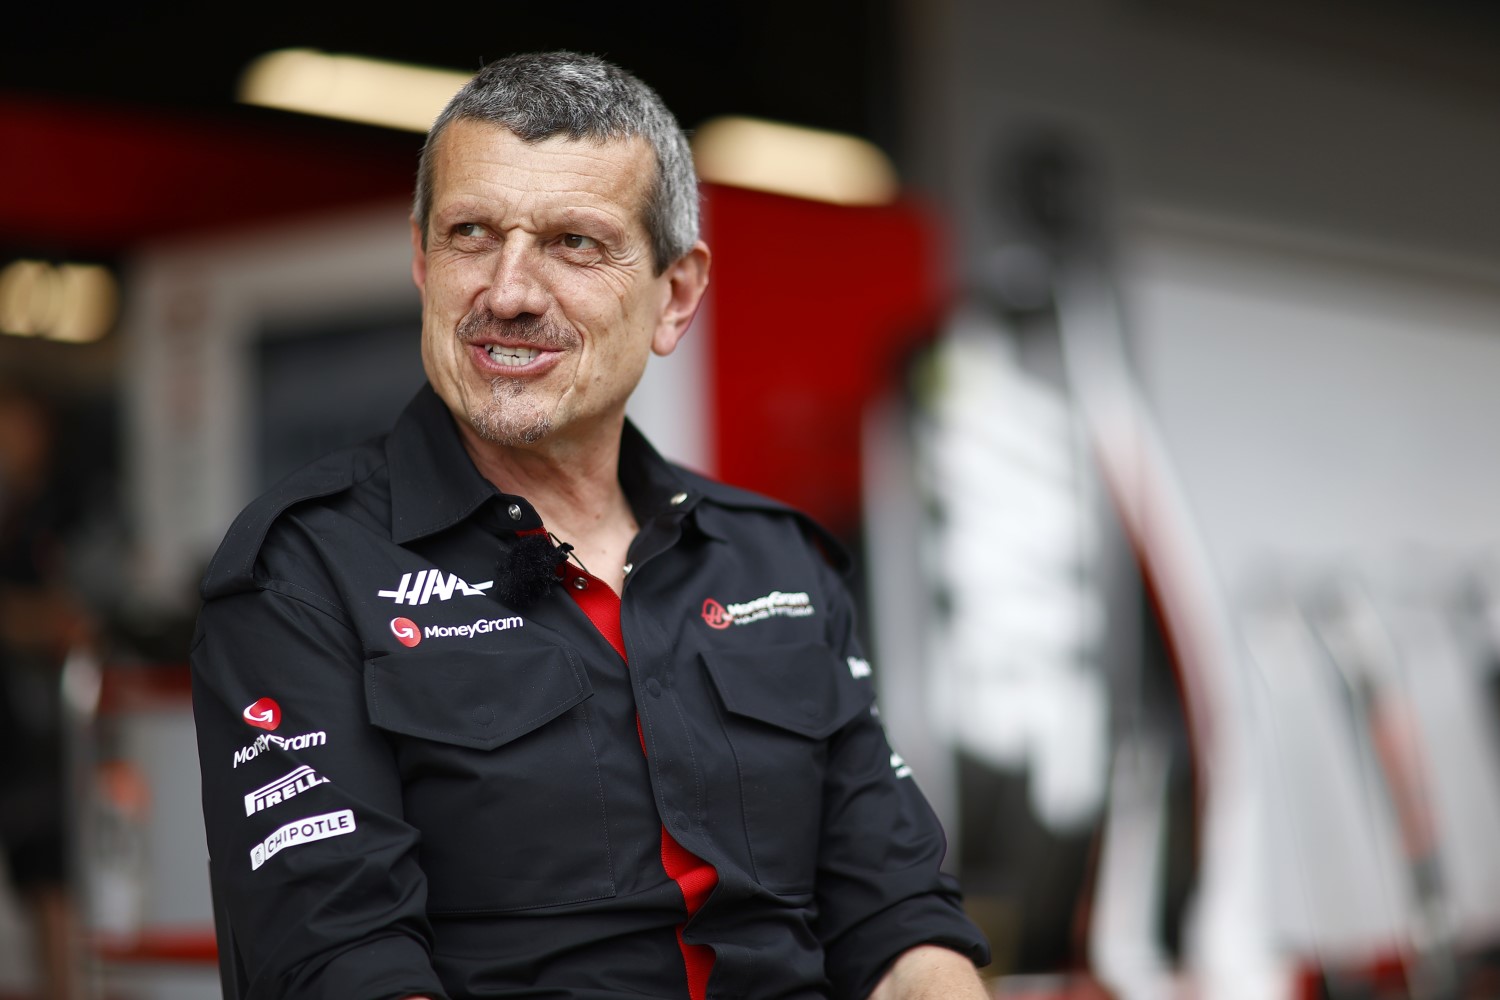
{"x":285,"y":787}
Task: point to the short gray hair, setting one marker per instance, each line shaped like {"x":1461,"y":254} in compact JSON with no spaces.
{"x":540,"y":95}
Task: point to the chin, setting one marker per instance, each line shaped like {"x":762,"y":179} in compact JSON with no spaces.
{"x":504,"y":412}
{"x":509,"y":429}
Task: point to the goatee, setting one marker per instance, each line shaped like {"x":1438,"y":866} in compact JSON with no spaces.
{"x":510,"y":417}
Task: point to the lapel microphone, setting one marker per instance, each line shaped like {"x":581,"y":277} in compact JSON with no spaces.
{"x":531,"y":569}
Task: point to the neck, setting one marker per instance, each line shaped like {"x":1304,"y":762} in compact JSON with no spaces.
{"x":574,"y":486}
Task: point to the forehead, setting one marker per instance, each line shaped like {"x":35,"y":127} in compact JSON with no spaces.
{"x":489,"y":163}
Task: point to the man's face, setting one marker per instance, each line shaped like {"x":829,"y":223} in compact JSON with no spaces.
{"x":540,"y":304}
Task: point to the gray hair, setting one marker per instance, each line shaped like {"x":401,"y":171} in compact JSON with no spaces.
{"x":540,"y":95}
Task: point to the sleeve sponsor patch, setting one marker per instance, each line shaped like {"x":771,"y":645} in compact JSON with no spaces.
{"x":302,"y":831}
{"x":282,"y":789}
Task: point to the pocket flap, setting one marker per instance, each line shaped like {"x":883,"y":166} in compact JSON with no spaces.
{"x":473,"y":699}
{"x":803,"y":688}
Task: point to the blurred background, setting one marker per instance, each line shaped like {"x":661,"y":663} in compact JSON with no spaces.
{"x":1144,"y":352}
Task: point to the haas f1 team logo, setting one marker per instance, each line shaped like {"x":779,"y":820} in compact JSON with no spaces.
{"x":406,"y":631}
{"x":715,"y":615}
{"x":262,"y":714}
{"x":776,"y":604}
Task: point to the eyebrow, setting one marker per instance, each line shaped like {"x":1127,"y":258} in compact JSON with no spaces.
{"x":562,"y":219}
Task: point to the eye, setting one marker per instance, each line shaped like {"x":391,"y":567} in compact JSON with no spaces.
{"x":469,"y":229}
{"x":575,"y":242}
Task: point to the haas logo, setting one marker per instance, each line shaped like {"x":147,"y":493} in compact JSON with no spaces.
{"x":715,"y":615}
{"x":262,"y":714}
{"x":406,"y":631}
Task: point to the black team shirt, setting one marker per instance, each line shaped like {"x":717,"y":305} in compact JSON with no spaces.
{"x":418,"y":780}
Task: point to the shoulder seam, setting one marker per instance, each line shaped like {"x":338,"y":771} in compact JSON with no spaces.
{"x":311,"y":598}
{"x":236,"y":562}
{"x":829,"y":546}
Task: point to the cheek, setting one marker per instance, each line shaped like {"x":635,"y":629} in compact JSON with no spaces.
{"x":606,"y":296}
{"x":441,"y":351}
{"x":450,"y":288}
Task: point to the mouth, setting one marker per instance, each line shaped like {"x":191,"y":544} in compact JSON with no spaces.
{"x":523,"y":347}
{"x":512,"y":357}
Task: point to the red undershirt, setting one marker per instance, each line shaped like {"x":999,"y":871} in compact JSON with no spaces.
{"x":694,"y":876}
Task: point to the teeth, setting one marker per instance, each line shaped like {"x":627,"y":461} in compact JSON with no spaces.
{"x":515,"y":357}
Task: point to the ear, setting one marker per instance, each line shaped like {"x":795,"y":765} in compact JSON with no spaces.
{"x":686,"y":280}
{"x":418,"y":260}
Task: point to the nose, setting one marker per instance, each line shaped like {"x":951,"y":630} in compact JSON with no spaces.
{"x":518,"y":285}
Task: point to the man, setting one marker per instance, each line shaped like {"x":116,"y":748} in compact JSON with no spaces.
{"x":505,"y":705}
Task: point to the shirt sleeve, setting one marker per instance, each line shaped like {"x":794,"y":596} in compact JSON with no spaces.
{"x":309,"y":856}
{"x":880,"y":888}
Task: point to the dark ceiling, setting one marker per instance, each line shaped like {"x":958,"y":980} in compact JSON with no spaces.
{"x":120,"y":125}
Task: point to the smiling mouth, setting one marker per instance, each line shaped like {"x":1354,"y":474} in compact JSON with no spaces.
{"x":512,"y":357}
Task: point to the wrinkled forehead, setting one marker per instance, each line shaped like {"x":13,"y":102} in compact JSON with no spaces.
{"x":471,"y":151}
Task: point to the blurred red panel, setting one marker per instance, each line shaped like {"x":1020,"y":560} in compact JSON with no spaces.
{"x":815,"y":308}
{"x":85,"y":179}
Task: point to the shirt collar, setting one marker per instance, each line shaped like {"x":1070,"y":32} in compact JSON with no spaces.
{"x":651,"y":483}
{"x":434,"y":484}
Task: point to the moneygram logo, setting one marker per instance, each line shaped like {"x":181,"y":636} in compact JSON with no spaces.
{"x":302,"y":831}
{"x":266,"y":741}
{"x":262,"y":714}
{"x":406,"y":632}
{"x":480,"y":626}
{"x":773,"y":605}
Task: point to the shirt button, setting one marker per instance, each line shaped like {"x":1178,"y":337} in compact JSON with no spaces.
{"x":678,"y":498}
{"x":514,"y":512}
{"x":653,"y":688}
{"x":579,"y":583}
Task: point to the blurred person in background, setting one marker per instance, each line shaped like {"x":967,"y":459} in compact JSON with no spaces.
{"x":472,"y":718}
{"x":40,"y":621}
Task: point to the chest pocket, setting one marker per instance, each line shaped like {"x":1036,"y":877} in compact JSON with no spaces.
{"x":782,"y":704}
{"x":500,"y":774}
